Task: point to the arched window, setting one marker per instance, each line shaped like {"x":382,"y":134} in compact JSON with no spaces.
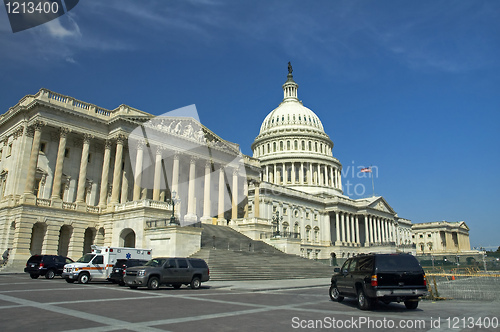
{"x":281,"y":145}
{"x":288,"y":145}
{"x":308,"y":233}
{"x":303,"y":144}
{"x":295,"y":145}
{"x":274,"y":146}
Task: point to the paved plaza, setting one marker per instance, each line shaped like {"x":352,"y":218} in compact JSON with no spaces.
{"x":279,"y":305}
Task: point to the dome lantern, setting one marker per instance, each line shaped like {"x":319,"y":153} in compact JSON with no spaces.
{"x":290,"y":87}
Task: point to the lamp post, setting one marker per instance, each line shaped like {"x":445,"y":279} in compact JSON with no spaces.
{"x":277,"y":219}
{"x":174,"y":200}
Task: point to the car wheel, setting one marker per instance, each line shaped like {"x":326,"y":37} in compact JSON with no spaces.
{"x":50,"y":274}
{"x":195,"y":283}
{"x":154,"y":283}
{"x":335,"y":294}
{"x":83,"y":278}
{"x":34,"y":276}
{"x":121,"y":283}
{"x":411,"y":304}
{"x":69,"y":281}
{"x":364,"y":302}
{"x":176,"y":286}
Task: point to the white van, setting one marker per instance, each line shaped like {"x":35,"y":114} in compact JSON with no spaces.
{"x":98,"y":264}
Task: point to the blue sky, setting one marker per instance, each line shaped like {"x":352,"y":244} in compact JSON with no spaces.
{"x":411,"y":87}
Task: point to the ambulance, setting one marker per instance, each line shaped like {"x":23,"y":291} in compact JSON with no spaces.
{"x":98,"y":264}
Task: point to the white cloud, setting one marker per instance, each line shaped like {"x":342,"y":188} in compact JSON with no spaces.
{"x":57,"y":30}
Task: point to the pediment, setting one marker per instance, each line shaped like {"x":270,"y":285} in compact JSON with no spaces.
{"x":380,"y":204}
{"x":188,"y":129}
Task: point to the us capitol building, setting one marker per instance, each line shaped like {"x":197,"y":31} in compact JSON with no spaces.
{"x":73,"y":174}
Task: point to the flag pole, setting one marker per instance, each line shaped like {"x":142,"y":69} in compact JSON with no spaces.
{"x":373,"y":185}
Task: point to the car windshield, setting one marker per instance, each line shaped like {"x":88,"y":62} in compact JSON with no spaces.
{"x":86,"y":258}
{"x":155,"y":262}
{"x":398,"y":263}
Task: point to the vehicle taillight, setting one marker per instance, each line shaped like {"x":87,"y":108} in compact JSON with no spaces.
{"x":124,"y":270}
{"x":374,"y":282}
{"x":425,"y":281}
{"x":208,"y":271}
{"x":41,"y":266}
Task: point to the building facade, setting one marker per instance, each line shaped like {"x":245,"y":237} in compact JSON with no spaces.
{"x":73,"y":174}
{"x":441,"y":237}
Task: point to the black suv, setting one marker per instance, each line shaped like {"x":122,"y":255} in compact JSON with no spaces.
{"x":120,"y":268}
{"x":384,"y":277}
{"x":46,"y":265}
{"x":168,"y":271}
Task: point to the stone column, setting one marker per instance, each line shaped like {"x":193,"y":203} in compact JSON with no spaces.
{"x":245,"y":193}
{"x":207,"y":203}
{"x":56,"y":184}
{"x":35,"y":148}
{"x":191,"y":211}
{"x":256,"y":204}
{"x":82,"y":177}
{"x":293,"y":173}
{"x":275,"y":177}
{"x":372,"y":227}
{"x":138,"y":170}
{"x":285,"y":175}
{"x":340,"y":179}
{"x":301,"y":173}
{"x":367,"y":234}
{"x":379,"y":230}
{"x":349,"y":225}
{"x":353,"y":233}
{"x":337,"y":229}
{"x":310,"y":177}
{"x":222,"y":190}
{"x":157,"y":175}
{"x":332,"y":178}
{"x":103,"y":196}
{"x":343,"y":226}
{"x":117,"y":171}
{"x":358,"y":241}
{"x":175,"y":173}
{"x":234,"y":191}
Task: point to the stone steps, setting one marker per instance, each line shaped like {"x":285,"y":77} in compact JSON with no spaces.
{"x":234,"y":256}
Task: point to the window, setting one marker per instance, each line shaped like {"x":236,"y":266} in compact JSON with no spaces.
{"x":9,"y":149}
{"x":43,"y":147}
{"x":365,"y":264}
{"x":281,"y":145}
{"x":98,"y":260}
{"x":89,"y":159}
{"x":66,"y":153}
{"x":288,"y":145}
{"x":182,"y":263}
{"x":303,"y":145}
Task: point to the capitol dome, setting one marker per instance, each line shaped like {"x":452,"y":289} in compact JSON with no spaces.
{"x":291,"y":114}
{"x":294,"y":149}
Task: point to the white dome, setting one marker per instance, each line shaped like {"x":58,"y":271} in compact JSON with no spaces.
{"x":291,"y":115}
